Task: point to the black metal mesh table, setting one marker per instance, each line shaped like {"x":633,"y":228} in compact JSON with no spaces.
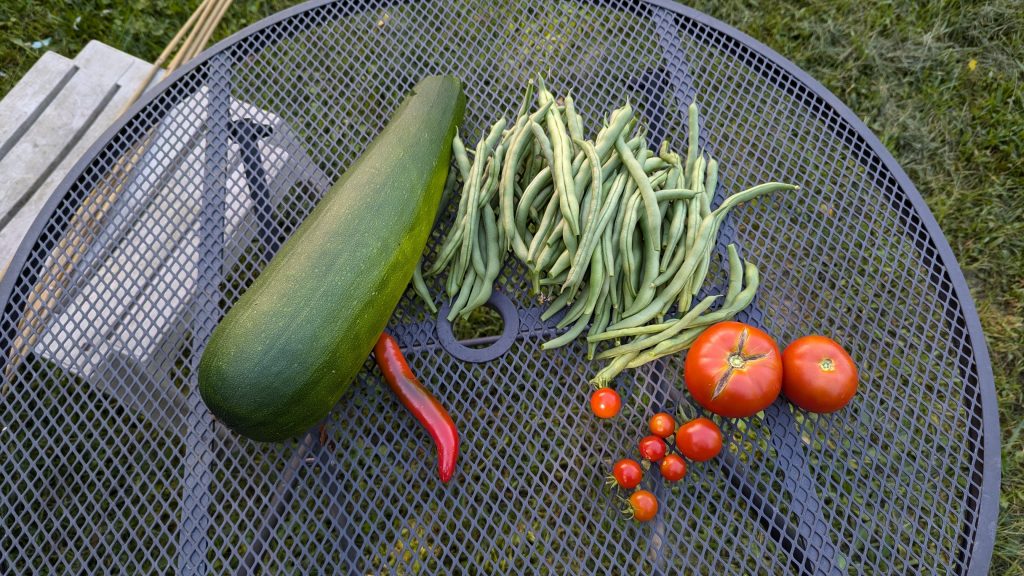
{"x":110,"y":463}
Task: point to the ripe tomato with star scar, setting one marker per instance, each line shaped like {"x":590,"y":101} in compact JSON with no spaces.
{"x":734,"y":370}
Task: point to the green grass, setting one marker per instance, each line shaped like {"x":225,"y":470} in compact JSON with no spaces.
{"x":941,"y":83}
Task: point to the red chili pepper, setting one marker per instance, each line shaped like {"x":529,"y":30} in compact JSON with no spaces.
{"x":418,"y":400}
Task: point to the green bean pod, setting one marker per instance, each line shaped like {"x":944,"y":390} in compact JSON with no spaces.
{"x":600,"y":321}
{"x":735,"y":275}
{"x":544,"y":227}
{"x":613,"y":369}
{"x":450,"y":183}
{"x":686,"y":338}
{"x":528,"y":95}
{"x":554,"y":280}
{"x":543,"y":142}
{"x":591,"y":229}
{"x":615,"y":290}
{"x":573,"y":120}
{"x":561,"y":264}
{"x":556,"y":306}
{"x":556,"y":233}
{"x":493,"y":175}
{"x":704,"y":241}
{"x":626,"y":232}
{"x":421,"y":287}
{"x":468,"y":222}
{"x":561,"y":170}
{"x":687,"y":321}
{"x":506,"y":191}
{"x":534,"y":193}
{"x":636,"y":271}
{"x":464,"y":292}
{"x":596,"y":283}
{"x":693,"y":137}
{"x":651,"y":228}
{"x":493,"y":261}
{"x":569,"y":335}
{"x":630,"y":332}
{"x":676,"y":230}
{"x":576,"y":310}
{"x":461,"y":157}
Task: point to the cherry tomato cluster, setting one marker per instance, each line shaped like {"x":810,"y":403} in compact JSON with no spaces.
{"x":733,"y":370}
{"x":697,"y":440}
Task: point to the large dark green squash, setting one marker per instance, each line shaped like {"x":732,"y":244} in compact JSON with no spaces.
{"x":289,"y":348}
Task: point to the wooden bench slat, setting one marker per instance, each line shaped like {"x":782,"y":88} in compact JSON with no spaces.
{"x":31,"y":95}
{"x":22,"y":203}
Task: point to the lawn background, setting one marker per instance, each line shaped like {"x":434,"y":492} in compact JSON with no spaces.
{"x":940,"y":82}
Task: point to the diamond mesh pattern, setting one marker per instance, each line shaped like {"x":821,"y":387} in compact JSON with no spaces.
{"x":110,"y":462}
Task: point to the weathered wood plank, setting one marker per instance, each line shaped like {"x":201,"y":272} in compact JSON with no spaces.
{"x":18,"y":223}
{"x":30,"y":96}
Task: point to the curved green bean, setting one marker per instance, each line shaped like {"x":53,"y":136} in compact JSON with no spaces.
{"x":569,"y":335}
{"x":651,"y":228}
{"x":561,"y":169}
{"x":461,"y":158}
{"x":490,"y":240}
{"x":591,"y":229}
{"x":613,"y":369}
{"x":686,"y":321}
{"x":420,"y":287}
{"x":573,"y":120}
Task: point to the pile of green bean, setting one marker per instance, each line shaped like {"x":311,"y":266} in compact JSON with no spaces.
{"x":626,"y":233}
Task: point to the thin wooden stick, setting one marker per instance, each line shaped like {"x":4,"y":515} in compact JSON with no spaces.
{"x":166,"y":53}
{"x":203,"y":11}
{"x":208,"y":29}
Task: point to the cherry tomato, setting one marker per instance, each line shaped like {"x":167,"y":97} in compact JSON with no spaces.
{"x":605,"y":403}
{"x":699,"y":439}
{"x":673,"y":468}
{"x":644,"y":505}
{"x":817,"y":374}
{"x":627,"y":473}
{"x":652,"y":448}
{"x":734,"y":370}
{"x":662,"y":424}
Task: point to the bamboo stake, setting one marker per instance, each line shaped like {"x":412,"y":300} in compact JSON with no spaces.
{"x":203,"y":11}
{"x":166,"y":53}
{"x":206,"y":32}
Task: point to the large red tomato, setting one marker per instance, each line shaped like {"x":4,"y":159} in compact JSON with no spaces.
{"x":819,"y":376}
{"x":734,"y":369}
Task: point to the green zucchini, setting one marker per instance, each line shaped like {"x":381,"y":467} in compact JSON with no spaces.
{"x":290,"y":347}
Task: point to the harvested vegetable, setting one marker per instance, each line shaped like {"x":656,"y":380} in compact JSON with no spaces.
{"x":662,"y":425}
{"x":605,"y":403}
{"x":652,"y":448}
{"x":818,"y":375}
{"x":672,"y":468}
{"x":643,"y":506}
{"x":616,"y":236}
{"x":734,"y":370}
{"x":420,"y":402}
{"x":699,"y":439}
{"x":627,"y":473}
{"x":285,"y":353}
